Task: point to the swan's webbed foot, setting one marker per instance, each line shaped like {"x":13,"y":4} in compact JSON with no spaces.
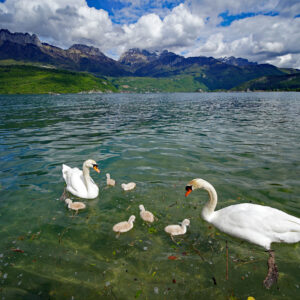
{"x":177,"y":243}
{"x":147,"y":224}
{"x":272,"y":275}
{"x":173,"y":239}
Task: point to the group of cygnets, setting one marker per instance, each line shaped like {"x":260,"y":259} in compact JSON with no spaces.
{"x":257,"y":224}
{"x":80,"y":184}
{"x":147,"y":216}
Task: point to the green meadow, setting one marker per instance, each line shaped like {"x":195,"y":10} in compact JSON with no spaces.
{"x":179,"y":83}
{"x":24,"y":79}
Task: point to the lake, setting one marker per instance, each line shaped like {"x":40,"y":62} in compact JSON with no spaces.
{"x":245,"y":144}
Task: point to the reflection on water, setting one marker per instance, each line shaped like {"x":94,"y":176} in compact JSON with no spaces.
{"x":246,"y":145}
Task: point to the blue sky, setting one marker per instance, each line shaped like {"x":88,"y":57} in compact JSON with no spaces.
{"x":141,"y":7}
{"x":228,"y":19}
{"x":265,"y":31}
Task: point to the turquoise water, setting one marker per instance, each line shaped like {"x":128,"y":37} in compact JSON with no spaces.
{"x":245,"y":144}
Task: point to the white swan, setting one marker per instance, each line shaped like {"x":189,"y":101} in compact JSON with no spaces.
{"x":79,"y":183}
{"x":128,"y":186}
{"x":124,"y":226}
{"x":145,"y":214}
{"x":257,"y":224}
{"x":110,"y":181}
{"x":177,"y":229}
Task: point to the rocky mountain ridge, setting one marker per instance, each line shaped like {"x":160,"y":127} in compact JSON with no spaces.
{"x":19,"y":38}
{"x":23,"y":46}
{"x":213,"y":73}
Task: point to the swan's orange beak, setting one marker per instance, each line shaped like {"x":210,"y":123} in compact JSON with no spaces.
{"x":188,"y":190}
{"x":95,"y":167}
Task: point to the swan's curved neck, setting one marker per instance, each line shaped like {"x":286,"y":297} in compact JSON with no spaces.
{"x":210,"y":206}
{"x":86,"y":175}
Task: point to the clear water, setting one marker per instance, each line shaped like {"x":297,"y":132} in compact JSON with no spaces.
{"x":245,"y":144}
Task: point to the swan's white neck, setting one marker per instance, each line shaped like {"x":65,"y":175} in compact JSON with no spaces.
{"x":209,"y":207}
{"x":86,"y":176}
{"x":131,"y":220}
{"x":183,"y":226}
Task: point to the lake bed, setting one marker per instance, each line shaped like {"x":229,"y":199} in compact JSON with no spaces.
{"x":245,"y":144}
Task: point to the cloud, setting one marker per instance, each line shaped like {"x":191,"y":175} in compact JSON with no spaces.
{"x":263,"y":31}
{"x":284,"y":60}
{"x":260,"y":38}
{"x":67,"y":22}
{"x":177,"y":30}
{"x":62,"y":22}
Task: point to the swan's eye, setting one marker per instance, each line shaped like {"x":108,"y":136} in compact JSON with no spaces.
{"x":95,"y":166}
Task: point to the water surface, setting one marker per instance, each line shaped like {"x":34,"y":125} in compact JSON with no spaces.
{"x":245,"y":144}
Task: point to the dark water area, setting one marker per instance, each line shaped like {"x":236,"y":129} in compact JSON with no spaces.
{"x":245,"y":144}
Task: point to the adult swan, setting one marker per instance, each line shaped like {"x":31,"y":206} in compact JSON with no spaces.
{"x":79,"y":183}
{"x":257,"y":224}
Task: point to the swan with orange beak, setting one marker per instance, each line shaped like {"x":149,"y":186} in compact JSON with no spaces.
{"x":79,"y":182}
{"x":257,"y":224}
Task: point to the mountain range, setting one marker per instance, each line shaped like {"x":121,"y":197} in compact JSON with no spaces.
{"x":206,"y":72}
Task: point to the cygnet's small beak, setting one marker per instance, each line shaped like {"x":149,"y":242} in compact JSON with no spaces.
{"x":95,"y":167}
{"x":188,"y":190}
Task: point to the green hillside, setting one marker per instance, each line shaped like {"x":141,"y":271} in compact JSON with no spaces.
{"x":28,"y":79}
{"x":180,"y":83}
{"x":21,"y":79}
{"x":289,"y":82}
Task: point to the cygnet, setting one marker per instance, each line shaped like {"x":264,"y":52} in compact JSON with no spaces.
{"x":145,"y":214}
{"x":74,"y":205}
{"x":125,"y":225}
{"x":110,"y":181}
{"x":129,"y":186}
{"x":177,"y":229}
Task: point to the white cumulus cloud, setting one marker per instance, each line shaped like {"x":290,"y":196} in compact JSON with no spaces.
{"x":262,"y":31}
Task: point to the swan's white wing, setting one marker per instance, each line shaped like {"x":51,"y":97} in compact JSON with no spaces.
{"x":74,"y":180}
{"x":258,"y":224}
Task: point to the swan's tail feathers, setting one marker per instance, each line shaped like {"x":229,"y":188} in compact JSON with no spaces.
{"x":295,"y":224}
{"x":290,"y":237}
{"x":65,"y":169}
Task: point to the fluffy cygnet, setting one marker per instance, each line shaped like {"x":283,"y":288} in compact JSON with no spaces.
{"x":129,"y":186}
{"x":177,"y":229}
{"x":145,"y":214}
{"x":124,"y":226}
{"x":110,"y":181}
{"x":74,"y":205}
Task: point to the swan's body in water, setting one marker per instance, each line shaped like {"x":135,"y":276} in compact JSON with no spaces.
{"x":260,"y":225}
{"x":109,"y":181}
{"x":79,"y":183}
{"x":146,"y":215}
{"x":74,"y":205}
{"x":257,"y":224}
{"x":128,"y":186}
{"x":177,"y":229}
{"x":124,"y":226}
